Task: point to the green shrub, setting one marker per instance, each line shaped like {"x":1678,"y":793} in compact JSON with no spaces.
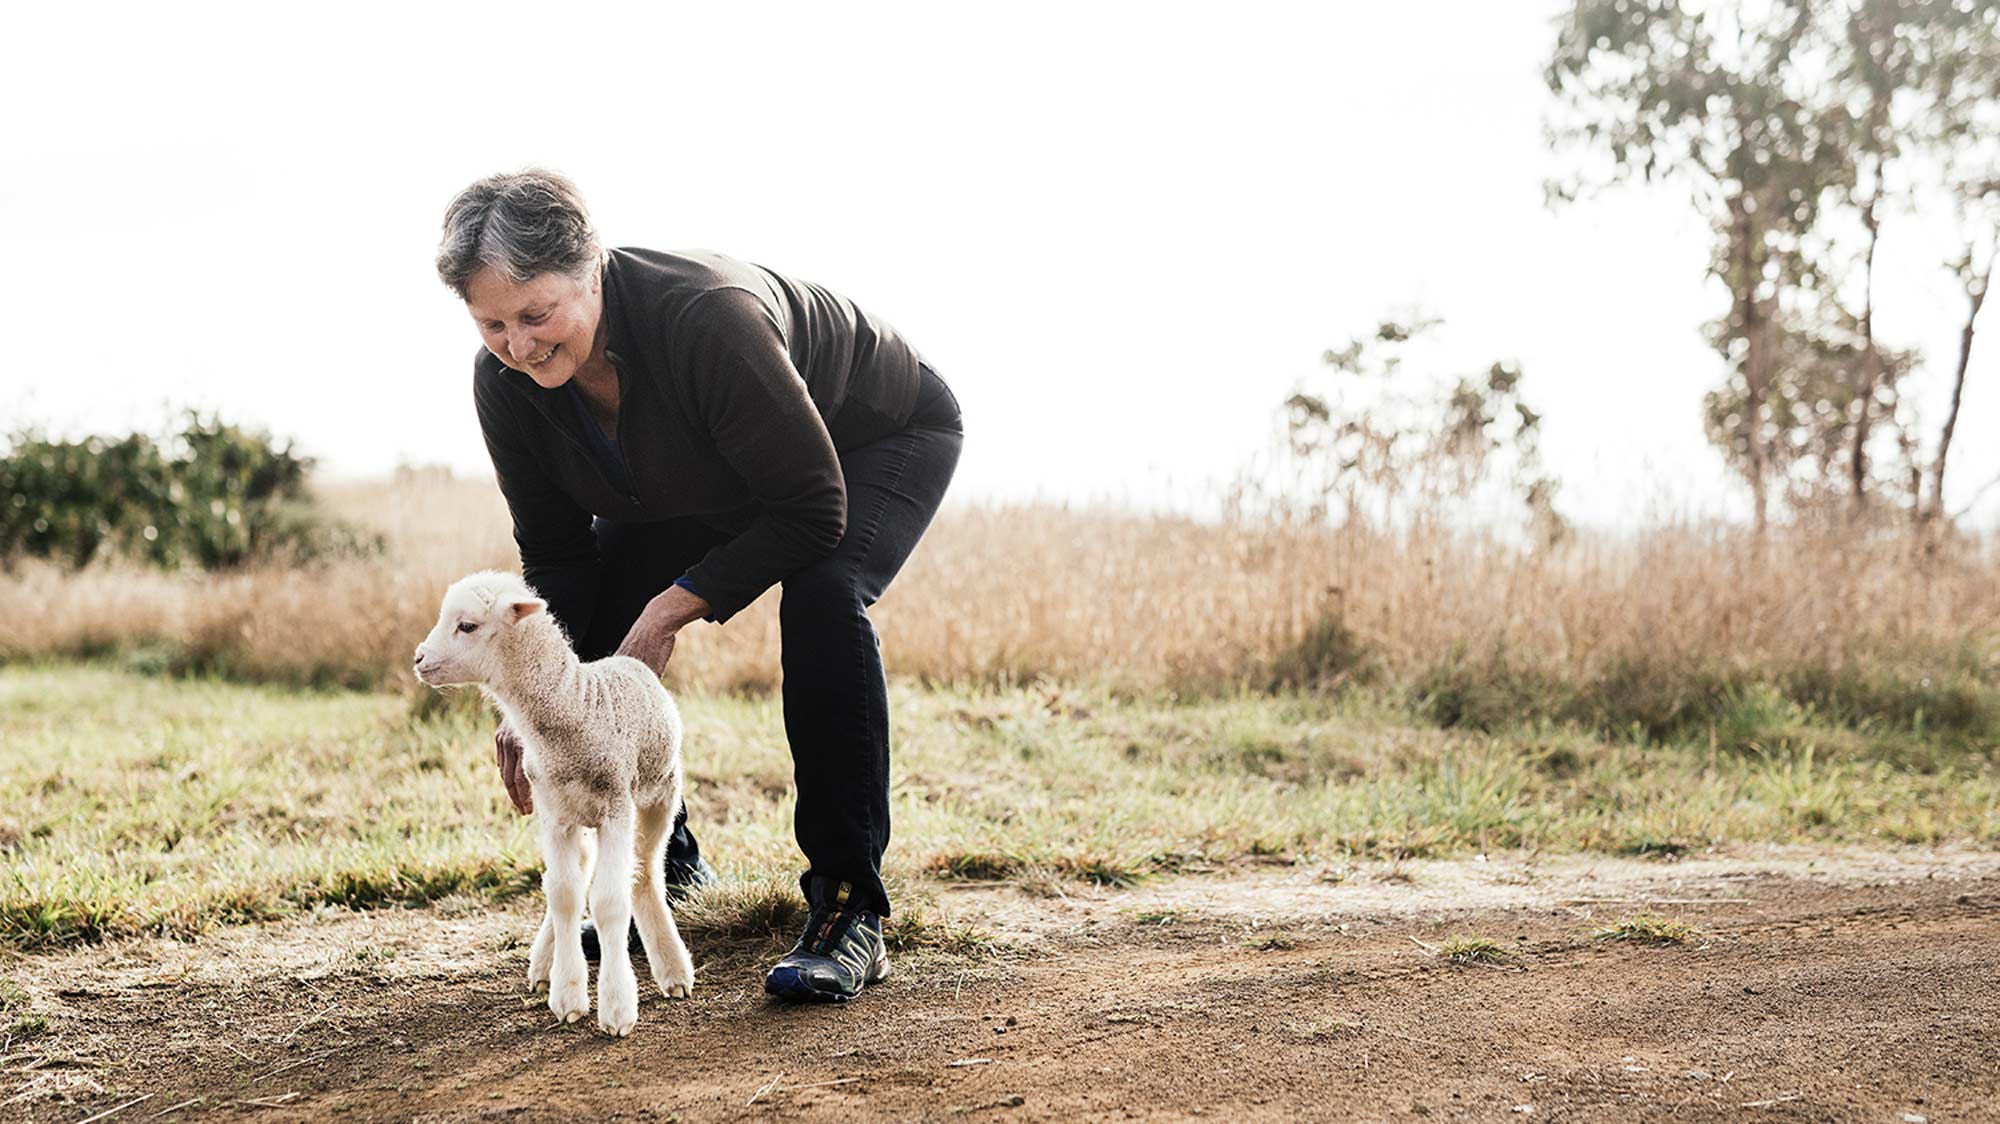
{"x":212,"y":495}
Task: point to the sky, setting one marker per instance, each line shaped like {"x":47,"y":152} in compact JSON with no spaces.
{"x":1123,"y":232}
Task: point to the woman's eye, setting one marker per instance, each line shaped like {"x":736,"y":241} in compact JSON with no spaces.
{"x":535,"y":319}
{"x":467,"y":626}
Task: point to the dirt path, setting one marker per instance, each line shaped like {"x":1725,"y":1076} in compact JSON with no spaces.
{"x":1828,"y":986}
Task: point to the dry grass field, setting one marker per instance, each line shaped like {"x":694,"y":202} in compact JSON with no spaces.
{"x":1669,"y":628}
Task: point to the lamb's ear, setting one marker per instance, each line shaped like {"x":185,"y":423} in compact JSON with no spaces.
{"x":528,"y":607}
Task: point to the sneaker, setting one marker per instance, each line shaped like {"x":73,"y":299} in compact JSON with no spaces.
{"x":682,"y":880}
{"x":840,"y":953}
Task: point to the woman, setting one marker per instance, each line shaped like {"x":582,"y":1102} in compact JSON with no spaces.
{"x":676,"y":433}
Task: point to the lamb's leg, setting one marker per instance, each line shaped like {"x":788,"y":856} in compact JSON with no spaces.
{"x":541,"y":954}
{"x":673,"y":968}
{"x":611,"y":905}
{"x":563,"y":886}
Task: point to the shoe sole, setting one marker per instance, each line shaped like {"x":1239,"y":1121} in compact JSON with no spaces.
{"x":790,"y":983}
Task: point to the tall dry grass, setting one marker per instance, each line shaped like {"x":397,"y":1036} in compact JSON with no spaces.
{"x":1466,"y":621}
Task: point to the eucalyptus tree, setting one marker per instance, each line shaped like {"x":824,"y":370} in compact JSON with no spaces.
{"x":1724,"y":101}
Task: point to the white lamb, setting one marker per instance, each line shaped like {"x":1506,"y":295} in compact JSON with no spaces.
{"x":601,"y":750}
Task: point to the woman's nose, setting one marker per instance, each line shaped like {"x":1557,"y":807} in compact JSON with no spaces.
{"x":520,"y":345}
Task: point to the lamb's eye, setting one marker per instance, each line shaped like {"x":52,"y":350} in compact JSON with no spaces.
{"x":467,"y":626}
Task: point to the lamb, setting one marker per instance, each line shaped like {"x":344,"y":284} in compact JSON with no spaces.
{"x":601,"y":750}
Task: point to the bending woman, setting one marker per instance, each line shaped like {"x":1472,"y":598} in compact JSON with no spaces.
{"x":674,"y":434}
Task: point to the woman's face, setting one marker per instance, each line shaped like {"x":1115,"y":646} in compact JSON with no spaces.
{"x":544,"y":327}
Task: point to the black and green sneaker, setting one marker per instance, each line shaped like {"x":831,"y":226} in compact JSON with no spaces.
{"x":840,"y":953}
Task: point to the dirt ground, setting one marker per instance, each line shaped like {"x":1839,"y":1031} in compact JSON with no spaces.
{"x":1826,"y":986}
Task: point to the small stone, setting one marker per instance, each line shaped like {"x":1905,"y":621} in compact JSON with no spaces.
{"x":1525,"y":1109}
{"x":1913,"y":1118}
{"x":1700,"y":1075}
{"x":1012,"y":1021}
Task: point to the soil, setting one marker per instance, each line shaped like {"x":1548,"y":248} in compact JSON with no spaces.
{"x":1823,"y":986}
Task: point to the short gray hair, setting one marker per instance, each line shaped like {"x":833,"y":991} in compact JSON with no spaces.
{"x":523,"y":224}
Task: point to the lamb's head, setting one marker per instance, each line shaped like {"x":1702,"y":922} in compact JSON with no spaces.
{"x":475,"y":625}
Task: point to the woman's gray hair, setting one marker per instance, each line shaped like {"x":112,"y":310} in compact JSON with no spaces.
{"x":523,"y":224}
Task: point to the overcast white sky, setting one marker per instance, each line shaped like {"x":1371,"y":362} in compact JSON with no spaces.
{"x":1123,"y":232}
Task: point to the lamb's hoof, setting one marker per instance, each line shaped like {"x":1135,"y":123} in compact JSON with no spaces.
{"x":617,"y":1000}
{"x":676,"y":984}
{"x":569,"y":1003}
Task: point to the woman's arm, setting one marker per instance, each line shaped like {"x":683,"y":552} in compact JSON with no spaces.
{"x":651,"y":640}
{"x":741,"y":384}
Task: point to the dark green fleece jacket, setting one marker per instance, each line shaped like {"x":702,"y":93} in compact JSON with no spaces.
{"x":738,"y":390}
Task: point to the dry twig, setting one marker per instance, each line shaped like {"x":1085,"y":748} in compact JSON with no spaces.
{"x":119,"y":1108}
{"x":767,"y":1088}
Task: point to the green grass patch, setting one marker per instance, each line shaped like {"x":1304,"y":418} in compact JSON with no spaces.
{"x":135,"y":804}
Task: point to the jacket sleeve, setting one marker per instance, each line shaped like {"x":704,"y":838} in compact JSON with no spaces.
{"x":559,"y":555}
{"x":741,"y":383}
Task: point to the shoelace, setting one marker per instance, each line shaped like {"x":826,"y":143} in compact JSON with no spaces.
{"x":828,"y":930}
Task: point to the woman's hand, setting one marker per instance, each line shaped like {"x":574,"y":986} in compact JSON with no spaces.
{"x":507,"y":751}
{"x":651,"y":639}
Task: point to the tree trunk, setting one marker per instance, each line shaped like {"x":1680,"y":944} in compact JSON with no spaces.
{"x":1753,"y":322}
{"x":1871,"y":365}
{"x":1975,"y":290}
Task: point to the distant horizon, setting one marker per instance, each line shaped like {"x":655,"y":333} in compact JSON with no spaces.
{"x":1123,"y":265}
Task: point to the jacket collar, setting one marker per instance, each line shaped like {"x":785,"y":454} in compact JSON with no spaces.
{"x":617,"y":328}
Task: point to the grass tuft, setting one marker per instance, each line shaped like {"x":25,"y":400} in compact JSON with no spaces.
{"x":1647,"y":928}
{"x":1475,"y":950}
{"x":973,"y":866}
{"x":19,"y":1021}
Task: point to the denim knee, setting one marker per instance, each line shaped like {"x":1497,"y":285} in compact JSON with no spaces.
{"x":820,"y":596}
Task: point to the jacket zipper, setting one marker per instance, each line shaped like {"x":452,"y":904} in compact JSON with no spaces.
{"x":609,"y":484}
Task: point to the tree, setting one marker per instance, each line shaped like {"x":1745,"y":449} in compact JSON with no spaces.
{"x":1381,"y":443}
{"x":1720,"y":102}
{"x":1782,"y":117}
{"x":1926,"y":74}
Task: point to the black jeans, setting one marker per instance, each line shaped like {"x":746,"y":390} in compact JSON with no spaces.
{"x":836,"y":699}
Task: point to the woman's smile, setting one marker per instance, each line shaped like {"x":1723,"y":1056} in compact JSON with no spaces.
{"x":544,"y":327}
